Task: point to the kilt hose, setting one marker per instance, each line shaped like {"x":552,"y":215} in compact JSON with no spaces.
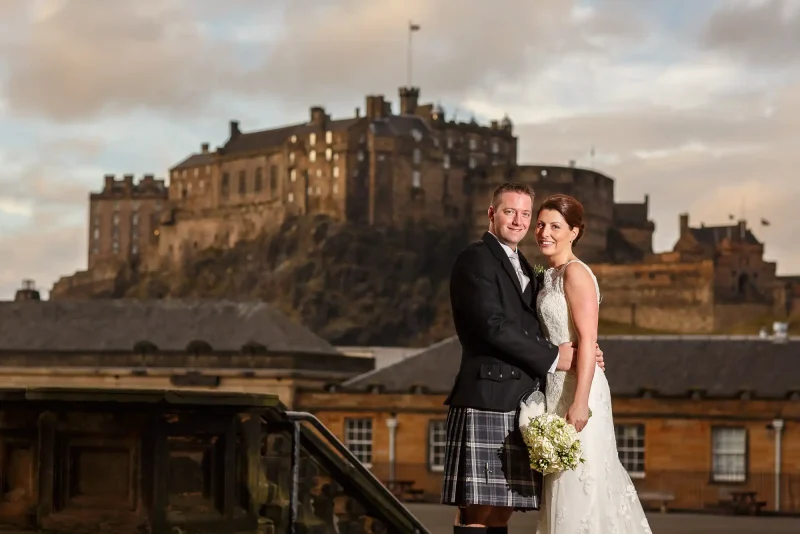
{"x":486,"y":461}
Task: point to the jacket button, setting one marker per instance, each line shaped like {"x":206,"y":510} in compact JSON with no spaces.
{"x":501,"y":375}
{"x":526,"y":332}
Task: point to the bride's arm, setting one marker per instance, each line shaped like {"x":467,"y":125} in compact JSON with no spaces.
{"x":581,"y":296}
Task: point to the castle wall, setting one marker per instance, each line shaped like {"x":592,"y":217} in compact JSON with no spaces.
{"x":658,"y":296}
{"x":728,"y":315}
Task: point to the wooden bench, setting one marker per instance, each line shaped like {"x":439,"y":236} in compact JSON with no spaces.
{"x":661,"y":497}
{"x":415,"y":494}
{"x":743,"y":502}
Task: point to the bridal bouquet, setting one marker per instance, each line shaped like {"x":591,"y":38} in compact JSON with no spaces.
{"x":553,"y":444}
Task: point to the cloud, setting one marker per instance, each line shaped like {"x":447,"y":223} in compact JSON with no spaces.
{"x":765,"y":34}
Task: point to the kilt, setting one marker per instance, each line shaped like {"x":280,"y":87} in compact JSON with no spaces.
{"x":486,"y":461}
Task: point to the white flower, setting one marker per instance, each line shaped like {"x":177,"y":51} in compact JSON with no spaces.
{"x":553,"y":444}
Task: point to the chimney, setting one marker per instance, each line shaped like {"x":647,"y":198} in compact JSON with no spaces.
{"x":375,"y":107}
{"x":494,"y":125}
{"x":148,"y":178}
{"x":684,"y":223}
{"x":409,"y":98}
{"x":235,"y":129}
{"x":572,"y":163}
{"x":27,"y":292}
{"x":108,"y":182}
{"x":127,"y":181}
{"x":358,"y":112}
{"x":317,"y":115}
{"x":742,"y":229}
{"x":204,"y":148}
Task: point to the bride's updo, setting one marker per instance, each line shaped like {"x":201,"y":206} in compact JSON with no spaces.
{"x":569,"y":208}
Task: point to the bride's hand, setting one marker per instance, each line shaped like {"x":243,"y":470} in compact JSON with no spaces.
{"x":578,"y":415}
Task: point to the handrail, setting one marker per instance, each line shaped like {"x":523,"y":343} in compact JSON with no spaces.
{"x":340,"y":447}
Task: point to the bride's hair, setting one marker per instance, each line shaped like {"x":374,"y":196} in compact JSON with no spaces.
{"x":569,"y":208}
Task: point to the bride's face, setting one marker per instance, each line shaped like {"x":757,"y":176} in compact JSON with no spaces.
{"x":553,"y":234}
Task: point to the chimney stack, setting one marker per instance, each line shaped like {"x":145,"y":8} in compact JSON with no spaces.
{"x":409,"y":98}
{"x":684,"y":223}
{"x":358,"y":112}
{"x":27,"y":292}
{"x":317,"y":115}
{"x":375,"y":107}
{"x":204,"y":148}
{"x":235,"y":129}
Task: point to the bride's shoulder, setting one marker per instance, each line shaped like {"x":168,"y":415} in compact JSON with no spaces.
{"x":578,"y":271}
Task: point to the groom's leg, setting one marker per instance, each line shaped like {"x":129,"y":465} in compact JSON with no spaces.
{"x":498,"y":520}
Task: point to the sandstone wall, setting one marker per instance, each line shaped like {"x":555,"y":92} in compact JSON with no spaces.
{"x":660,"y":296}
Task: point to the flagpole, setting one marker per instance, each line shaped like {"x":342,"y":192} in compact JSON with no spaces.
{"x":408,"y":65}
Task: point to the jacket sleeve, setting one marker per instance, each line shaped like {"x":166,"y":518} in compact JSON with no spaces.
{"x":478,"y":298}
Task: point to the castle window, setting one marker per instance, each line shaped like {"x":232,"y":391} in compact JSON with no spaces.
{"x":335,"y":188}
{"x":292,"y":175}
{"x":437,"y":440}
{"x":202,"y":185}
{"x":335,"y":171}
{"x":472,"y":162}
{"x":293,"y":139}
{"x":328,"y":154}
{"x":336,"y":157}
{"x":358,"y":438}
{"x":329,"y":137}
{"x":630,"y":448}
{"x":360,"y":155}
{"x":473,"y":144}
{"x":273,"y":178}
{"x":242,"y":182}
{"x":417,"y":156}
{"x":544,"y":172}
{"x":208,"y":169}
{"x":449,"y":142}
{"x":319,"y":190}
{"x":290,"y":198}
{"x":446,"y":161}
{"x":312,"y":156}
{"x":729,"y":454}
{"x":495,"y":146}
{"x":319,"y":173}
{"x":312,"y":139}
{"x":225,"y":184}
{"x":96,"y":233}
{"x":416,"y":179}
{"x":291,"y":157}
{"x":259,"y":180}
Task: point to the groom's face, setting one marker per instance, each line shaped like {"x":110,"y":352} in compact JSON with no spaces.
{"x":510,"y":219}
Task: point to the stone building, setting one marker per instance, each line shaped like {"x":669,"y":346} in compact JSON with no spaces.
{"x":377,"y":168}
{"x":124,"y":219}
{"x":714,"y":277}
{"x":165,"y":344}
{"x":697,"y":418}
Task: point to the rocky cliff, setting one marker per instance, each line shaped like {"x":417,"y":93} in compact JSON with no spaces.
{"x":353,"y":285}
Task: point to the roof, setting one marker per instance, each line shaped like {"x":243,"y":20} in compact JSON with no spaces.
{"x":118,"y":324}
{"x":195,"y":160}
{"x":712,"y":235}
{"x":383,"y":356}
{"x":666,"y":365}
{"x":263,"y":139}
{"x":400,"y":126}
{"x":631,"y":214}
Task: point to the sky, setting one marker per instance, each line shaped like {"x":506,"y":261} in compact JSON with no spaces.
{"x":695,"y":103}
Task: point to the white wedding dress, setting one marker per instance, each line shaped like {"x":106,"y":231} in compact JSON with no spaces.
{"x":597,"y":497}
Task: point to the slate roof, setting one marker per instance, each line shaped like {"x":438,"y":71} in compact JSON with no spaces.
{"x":631,"y":214}
{"x":712,"y":235}
{"x":195,"y":160}
{"x":118,"y":324}
{"x":668,"y":365}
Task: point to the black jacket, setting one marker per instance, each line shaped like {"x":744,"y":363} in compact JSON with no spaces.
{"x":504,"y":353}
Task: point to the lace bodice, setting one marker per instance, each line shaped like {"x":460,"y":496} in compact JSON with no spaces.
{"x":551,"y":303}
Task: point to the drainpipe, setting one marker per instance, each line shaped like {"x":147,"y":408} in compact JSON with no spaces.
{"x":777,"y":425}
{"x":391,"y":424}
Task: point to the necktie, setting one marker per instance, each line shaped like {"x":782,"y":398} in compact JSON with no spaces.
{"x":523,"y":280}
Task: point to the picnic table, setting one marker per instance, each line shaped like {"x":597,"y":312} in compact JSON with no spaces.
{"x":743,"y":502}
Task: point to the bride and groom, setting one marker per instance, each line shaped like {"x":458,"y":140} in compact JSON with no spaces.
{"x":523,"y":331}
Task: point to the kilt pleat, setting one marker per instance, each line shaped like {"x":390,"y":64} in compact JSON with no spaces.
{"x":486,"y":461}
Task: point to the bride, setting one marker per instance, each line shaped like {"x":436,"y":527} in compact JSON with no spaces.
{"x":598,"y":496}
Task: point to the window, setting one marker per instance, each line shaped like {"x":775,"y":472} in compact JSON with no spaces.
{"x":242,"y":182}
{"x":291,"y":157}
{"x":336,"y":171}
{"x":416,"y":179}
{"x":290,"y":198}
{"x":292,"y":175}
{"x":273,"y":179}
{"x":495,"y":147}
{"x":329,"y":137}
{"x":258,"y":184}
{"x":729,"y":454}
{"x":417,"y":156}
{"x":446,"y":161}
{"x":473,"y":144}
{"x":293,"y":139}
{"x":312,"y":139}
{"x":312,"y":156}
{"x":472,"y":162}
{"x":630,"y":448}
{"x":328,"y":154}
{"x":358,"y":438}
{"x":437,"y":437}
{"x":335,"y":188}
{"x":224,"y":186}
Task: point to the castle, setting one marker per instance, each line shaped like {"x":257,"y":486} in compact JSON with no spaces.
{"x":382,"y":168}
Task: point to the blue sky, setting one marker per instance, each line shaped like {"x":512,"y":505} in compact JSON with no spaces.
{"x":693,"y":103}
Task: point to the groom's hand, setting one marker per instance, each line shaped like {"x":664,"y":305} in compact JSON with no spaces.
{"x":599,"y":357}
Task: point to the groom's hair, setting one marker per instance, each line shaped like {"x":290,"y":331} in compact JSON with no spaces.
{"x":511,"y":187}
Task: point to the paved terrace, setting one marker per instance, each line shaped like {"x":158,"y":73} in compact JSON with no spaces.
{"x":439,"y":519}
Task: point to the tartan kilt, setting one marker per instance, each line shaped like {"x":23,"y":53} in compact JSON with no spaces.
{"x":486,"y":461}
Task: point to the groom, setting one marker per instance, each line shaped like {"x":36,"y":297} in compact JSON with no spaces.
{"x":504,"y":357}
